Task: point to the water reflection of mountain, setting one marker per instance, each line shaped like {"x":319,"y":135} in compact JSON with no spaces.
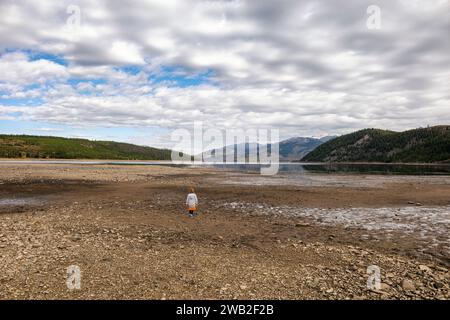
{"x":292,"y":168}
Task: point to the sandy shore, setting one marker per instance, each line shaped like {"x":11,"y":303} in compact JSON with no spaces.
{"x":283,"y":237}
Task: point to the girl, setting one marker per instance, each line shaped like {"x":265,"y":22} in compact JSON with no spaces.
{"x":191,"y":202}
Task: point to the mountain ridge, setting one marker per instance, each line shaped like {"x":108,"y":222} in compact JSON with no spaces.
{"x":421,"y":145}
{"x":290,"y":149}
{"x":49,"y":147}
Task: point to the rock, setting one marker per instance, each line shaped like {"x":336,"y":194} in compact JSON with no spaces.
{"x":243,"y":287}
{"x":384,"y":287}
{"x":424,"y":268}
{"x":76,"y":237}
{"x":408,"y":285}
{"x":315,"y":283}
{"x":438,"y":285}
{"x":441,"y":268}
{"x":298,"y":225}
{"x":352,"y":268}
{"x":382,"y":293}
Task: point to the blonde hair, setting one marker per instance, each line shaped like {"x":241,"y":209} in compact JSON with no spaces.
{"x":191,"y":190}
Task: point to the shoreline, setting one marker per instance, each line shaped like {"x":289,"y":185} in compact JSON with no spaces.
{"x":106,"y":161}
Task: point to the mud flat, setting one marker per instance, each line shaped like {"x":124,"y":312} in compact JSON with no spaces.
{"x":283,"y":237}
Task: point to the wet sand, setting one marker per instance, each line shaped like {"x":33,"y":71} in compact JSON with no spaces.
{"x":283,"y":237}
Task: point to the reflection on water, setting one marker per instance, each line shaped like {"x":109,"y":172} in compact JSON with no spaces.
{"x":381,"y":169}
{"x":292,"y":167}
{"x":403,"y":169}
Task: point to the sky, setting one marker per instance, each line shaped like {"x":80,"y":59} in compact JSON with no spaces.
{"x":137,"y":71}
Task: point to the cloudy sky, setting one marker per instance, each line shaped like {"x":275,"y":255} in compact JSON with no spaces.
{"x":137,"y":71}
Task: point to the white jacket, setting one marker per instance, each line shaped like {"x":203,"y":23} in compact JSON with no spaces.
{"x":191,"y":200}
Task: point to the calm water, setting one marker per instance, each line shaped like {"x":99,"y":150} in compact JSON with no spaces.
{"x":400,"y":169}
{"x":284,"y":168}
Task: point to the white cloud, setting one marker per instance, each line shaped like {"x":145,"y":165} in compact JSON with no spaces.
{"x":127,"y":53}
{"x":18,"y":69}
{"x":49,"y":129}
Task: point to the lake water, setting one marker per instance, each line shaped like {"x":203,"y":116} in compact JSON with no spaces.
{"x":394,"y":169}
{"x":284,"y":168}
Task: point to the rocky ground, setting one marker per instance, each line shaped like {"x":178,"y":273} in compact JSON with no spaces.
{"x":126,"y":229}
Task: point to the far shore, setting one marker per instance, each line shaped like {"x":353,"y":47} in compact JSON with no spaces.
{"x":106,"y":161}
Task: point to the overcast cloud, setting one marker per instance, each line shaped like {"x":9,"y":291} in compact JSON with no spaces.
{"x":305,"y":67}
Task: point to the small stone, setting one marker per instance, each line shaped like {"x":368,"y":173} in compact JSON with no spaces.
{"x":438,"y":285}
{"x":384,"y":287}
{"x":76,"y":237}
{"x":298,"y":225}
{"x":424,"y":268}
{"x":441,"y":268}
{"x":408,"y":285}
{"x":390,"y":275}
{"x":243,"y":287}
{"x":353,"y":268}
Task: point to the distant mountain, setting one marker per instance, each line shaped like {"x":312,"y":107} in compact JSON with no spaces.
{"x":374,"y":145}
{"x":289,"y":150}
{"x":23,"y":146}
{"x":295,"y":148}
{"x":327,"y":138}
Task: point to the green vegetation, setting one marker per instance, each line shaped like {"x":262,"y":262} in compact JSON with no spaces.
{"x":424,"y":145}
{"x":22,"y":146}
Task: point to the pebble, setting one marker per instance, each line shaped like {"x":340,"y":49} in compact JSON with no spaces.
{"x":408,"y":285}
{"x":424,"y":268}
{"x":384,"y":287}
